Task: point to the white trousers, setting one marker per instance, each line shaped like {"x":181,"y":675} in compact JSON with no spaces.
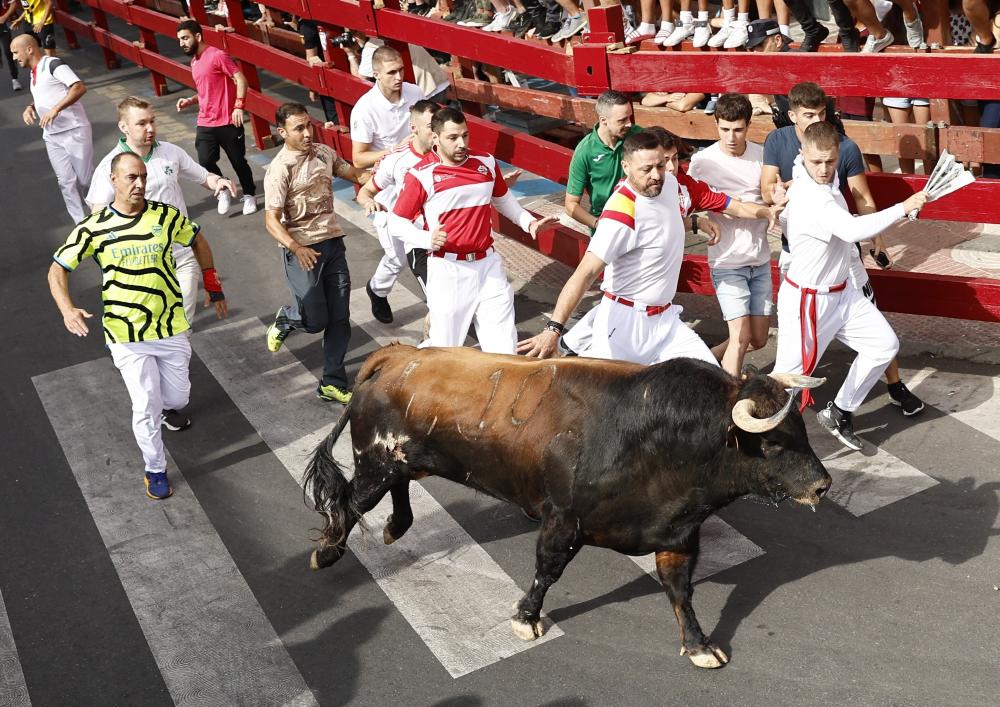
{"x":393,"y":260}
{"x":460,"y":293}
{"x":629,"y":334}
{"x":189,"y":275}
{"x":580,"y":336}
{"x":71,"y":154}
{"x":851,"y":319}
{"x":156,"y":376}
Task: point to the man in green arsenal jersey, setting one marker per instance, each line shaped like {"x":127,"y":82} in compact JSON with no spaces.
{"x":144,"y":324}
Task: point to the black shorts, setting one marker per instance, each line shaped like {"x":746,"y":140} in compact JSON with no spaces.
{"x":46,"y":38}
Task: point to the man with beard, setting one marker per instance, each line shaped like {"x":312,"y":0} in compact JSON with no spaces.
{"x":299,"y":214}
{"x":222,"y":89}
{"x":144,"y":323}
{"x":165,"y":163}
{"x":456,"y":191}
{"x":639,"y":244}
{"x":596,"y":167}
{"x":816,"y":302}
{"x":379,"y":196}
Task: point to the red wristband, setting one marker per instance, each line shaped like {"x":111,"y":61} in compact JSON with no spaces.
{"x":210,"y":278}
{"x":239,"y":103}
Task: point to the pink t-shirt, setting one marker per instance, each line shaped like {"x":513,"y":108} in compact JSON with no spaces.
{"x":213,"y":77}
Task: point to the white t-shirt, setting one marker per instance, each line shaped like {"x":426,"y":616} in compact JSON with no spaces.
{"x":165,"y":163}
{"x":642,"y":241}
{"x":381,"y":124}
{"x":742,"y":241}
{"x":50,"y":82}
{"x":367,"y":52}
{"x":822,"y":232}
{"x":391,"y":171}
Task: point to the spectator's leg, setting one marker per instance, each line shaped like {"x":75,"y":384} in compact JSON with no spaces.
{"x":978,"y":12}
{"x":899,"y":116}
{"x":207,"y":147}
{"x":233,"y":141}
{"x":7,"y":56}
{"x":864,"y":11}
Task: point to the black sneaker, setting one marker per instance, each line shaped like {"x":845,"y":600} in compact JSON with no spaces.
{"x":546,"y":30}
{"x":984,"y":48}
{"x":841,"y":425}
{"x":174,"y":421}
{"x":900,"y":396}
{"x":461,"y":12}
{"x":851,"y":41}
{"x":520,"y":24}
{"x":380,"y":306}
{"x":812,"y":41}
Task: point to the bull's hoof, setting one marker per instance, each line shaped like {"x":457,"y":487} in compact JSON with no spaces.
{"x":527,"y":630}
{"x":324,"y":557}
{"x":387,"y":537}
{"x":707,"y":656}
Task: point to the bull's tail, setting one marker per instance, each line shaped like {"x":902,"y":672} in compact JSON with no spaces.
{"x":331,"y":492}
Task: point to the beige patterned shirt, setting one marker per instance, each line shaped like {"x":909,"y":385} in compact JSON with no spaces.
{"x":300,"y":186}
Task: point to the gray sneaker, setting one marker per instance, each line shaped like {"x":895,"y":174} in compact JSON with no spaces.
{"x":841,"y":425}
{"x":874,"y":46}
{"x":570,"y":26}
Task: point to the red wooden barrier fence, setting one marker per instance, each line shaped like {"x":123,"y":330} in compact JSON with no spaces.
{"x":591,"y":69}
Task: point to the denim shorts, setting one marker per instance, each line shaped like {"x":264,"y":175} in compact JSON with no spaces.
{"x":745,"y":291}
{"x":905,"y":103}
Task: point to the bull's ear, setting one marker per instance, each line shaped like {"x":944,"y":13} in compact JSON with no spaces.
{"x":748,"y":372}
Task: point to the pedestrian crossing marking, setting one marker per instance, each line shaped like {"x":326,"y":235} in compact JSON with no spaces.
{"x":208,"y":634}
{"x":972,"y":400}
{"x":722,"y":546}
{"x":453,"y":594}
{"x":13,"y":690}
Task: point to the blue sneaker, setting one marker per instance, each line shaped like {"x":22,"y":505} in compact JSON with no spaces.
{"x":158,"y":486}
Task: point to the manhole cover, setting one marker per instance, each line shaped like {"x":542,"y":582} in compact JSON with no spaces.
{"x":982,"y":252}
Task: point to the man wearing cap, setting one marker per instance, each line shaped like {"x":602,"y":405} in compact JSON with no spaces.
{"x":765,"y":37}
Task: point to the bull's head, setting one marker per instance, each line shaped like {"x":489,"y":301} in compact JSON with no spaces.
{"x":767,"y":426}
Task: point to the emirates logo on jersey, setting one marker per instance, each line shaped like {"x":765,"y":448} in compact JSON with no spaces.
{"x":482,"y":170}
{"x":441,"y":177}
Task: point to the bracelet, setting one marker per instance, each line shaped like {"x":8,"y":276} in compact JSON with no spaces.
{"x":239,"y":104}
{"x":694,"y":223}
{"x":555,"y":326}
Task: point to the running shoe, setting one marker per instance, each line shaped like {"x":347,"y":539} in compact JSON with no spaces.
{"x":901,"y":397}
{"x":380,"y":306}
{"x":701,"y":35}
{"x":680,"y":33}
{"x":334,"y":394}
{"x":249,"y":204}
{"x":663,"y":34}
{"x":278,"y":331}
{"x":720,"y":37}
{"x":874,"y":46}
{"x":841,"y":425}
{"x":501,"y":20}
{"x":174,"y":421}
{"x":737,"y":35}
{"x":224,"y":202}
{"x":158,"y":486}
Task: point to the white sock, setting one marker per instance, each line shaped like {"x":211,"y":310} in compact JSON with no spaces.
{"x":703,"y":15}
{"x":647,"y":28}
{"x":728,"y":14}
{"x":743,"y":17}
{"x":686,"y":17}
{"x":784,"y":29}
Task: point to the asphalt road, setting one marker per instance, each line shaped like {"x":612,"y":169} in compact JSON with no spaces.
{"x":886,"y":595}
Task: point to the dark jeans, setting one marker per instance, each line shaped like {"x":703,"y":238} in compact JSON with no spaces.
{"x":5,"y":50}
{"x":230,"y":138}
{"x":321,"y":302}
{"x":803,"y":13}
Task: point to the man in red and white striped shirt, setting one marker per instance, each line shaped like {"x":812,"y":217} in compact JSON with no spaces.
{"x":456,"y":190}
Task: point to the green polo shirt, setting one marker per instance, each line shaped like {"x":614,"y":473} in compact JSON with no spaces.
{"x":596,"y":169}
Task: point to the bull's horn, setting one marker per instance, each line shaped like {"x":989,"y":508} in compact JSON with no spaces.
{"x":797,"y":380}
{"x":744,"y":418}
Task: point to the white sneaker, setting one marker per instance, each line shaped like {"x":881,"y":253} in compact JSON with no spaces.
{"x":501,"y":20}
{"x":701,"y":35}
{"x":737,"y":37}
{"x":224,"y":202}
{"x":874,"y":46}
{"x":16,"y":85}
{"x":719,"y":38}
{"x":664,"y":33}
{"x":679,"y":34}
{"x":249,"y":204}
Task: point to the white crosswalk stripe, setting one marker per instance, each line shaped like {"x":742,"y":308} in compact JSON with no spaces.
{"x":972,"y":400}
{"x":722,"y":546}
{"x":210,"y":638}
{"x":13,"y":691}
{"x":454,"y":595}
{"x":863,"y":483}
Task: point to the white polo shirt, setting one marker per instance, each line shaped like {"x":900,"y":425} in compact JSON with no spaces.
{"x":381,"y":124}
{"x":742,"y":241}
{"x":50,"y":82}
{"x":642,"y":241}
{"x":165,"y":163}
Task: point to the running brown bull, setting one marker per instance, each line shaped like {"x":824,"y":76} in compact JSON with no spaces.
{"x":606,"y":453}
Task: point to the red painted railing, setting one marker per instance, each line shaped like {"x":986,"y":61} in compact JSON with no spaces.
{"x":591,"y":69}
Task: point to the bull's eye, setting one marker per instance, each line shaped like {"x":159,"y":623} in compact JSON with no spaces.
{"x":770,"y":448}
